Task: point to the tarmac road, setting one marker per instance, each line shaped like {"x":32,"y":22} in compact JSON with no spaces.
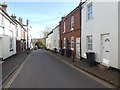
{"x":42,"y":70}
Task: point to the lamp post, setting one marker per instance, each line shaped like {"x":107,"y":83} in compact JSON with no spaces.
{"x":27,"y":22}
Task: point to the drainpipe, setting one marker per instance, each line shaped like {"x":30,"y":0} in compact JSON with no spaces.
{"x":80,"y":8}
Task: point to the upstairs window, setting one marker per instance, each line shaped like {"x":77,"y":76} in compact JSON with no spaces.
{"x":72,"y":22}
{"x":1,"y":21}
{"x":89,"y":11}
{"x":64,"y":27}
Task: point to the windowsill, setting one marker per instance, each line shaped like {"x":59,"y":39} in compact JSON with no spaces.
{"x":89,"y":19}
{"x":71,"y":29}
{"x":11,"y":50}
{"x":72,"y":48}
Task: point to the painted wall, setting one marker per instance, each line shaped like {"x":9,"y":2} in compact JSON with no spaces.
{"x":119,"y":34}
{"x":56,"y":38}
{"x":9,"y":32}
{"x":105,"y":20}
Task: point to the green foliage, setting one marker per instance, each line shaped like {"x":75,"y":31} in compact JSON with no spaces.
{"x":40,"y":44}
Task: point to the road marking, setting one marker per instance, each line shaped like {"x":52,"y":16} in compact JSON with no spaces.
{"x":87,"y":74}
{"x":17,"y":73}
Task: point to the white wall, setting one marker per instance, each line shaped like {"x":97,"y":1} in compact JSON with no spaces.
{"x":56,"y":38}
{"x":105,"y":20}
{"x":9,"y":32}
{"x":119,"y":34}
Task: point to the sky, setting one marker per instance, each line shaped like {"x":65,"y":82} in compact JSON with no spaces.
{"x":41,"y":14}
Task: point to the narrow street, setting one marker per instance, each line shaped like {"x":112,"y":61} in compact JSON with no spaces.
{"x":42,"y":70}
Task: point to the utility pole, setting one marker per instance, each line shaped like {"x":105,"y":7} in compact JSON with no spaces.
{"x":27,"y":22}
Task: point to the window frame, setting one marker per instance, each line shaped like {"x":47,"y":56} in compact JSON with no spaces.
{"x":64,"y":27}
{"x":11,"y":44}
{"x":72,"y":22}
{"x":89,"y":43}
{"x":72,"y":43}
{"x":90,"y":11}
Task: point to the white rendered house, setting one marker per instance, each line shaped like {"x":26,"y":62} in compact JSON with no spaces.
{"x":7,"y":35}
{"x":56,"y":38}
{"x":100,"y":31}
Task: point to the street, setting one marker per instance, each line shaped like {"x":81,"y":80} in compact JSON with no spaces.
{"x":42,"y":70}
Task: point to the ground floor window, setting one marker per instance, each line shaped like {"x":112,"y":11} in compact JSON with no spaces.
{"x":11,"y":44}
{"x":72,"y":43}
{"x":89,"y":42}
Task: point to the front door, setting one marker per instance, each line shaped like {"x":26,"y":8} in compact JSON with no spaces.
{"x":78,"y":48}
{"x":105,"y":49}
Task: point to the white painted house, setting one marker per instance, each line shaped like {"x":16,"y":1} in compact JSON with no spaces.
{"x":49,"y":41}
{"x":100,"y":31}
{"x":56,"y":38}
{"x":7,"y":35}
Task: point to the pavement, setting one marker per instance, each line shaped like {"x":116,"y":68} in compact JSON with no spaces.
{"x":10,"y":64}
{"x":110,"y":75}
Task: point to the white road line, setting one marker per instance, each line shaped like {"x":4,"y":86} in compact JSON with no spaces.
{"x":17,"y":73}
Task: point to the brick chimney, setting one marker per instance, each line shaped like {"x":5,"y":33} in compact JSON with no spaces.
{"x":13,"y":16}
{"x":20,"y":20}
{"x":4,"y":6}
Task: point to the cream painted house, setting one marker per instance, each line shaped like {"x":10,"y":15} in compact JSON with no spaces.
{"x":100,"y":31}
{"x":7,"y":34}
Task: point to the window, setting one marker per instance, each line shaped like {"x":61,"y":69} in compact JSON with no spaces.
{"x":89,"y":42}
{"x":64,"y":27}
{"x":89,"y":11}
{"x":72,"y":22}
{"x":64,"y":42}
{"x":72,"y":43}
{"x":11,"y":44}
{"x":1,"y":21}
{"x":10,"y":26}
{"x":16,"y":31}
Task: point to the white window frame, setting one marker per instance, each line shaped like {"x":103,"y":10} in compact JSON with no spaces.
{"x":89,"y":11}
{"x":64,"y":27}
{"x":11,"y":44}
{"x":72,"y":43}
{"x":64,"y":43}
{"x":72,"y":22}
{"x":1,"y":21}
{"x":89,"y":43}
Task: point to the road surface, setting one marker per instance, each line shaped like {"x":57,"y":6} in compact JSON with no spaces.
{"x":43,"y":70}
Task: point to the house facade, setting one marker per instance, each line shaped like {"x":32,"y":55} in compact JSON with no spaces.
{"x":100,"y":31}
{"x":7,"y":34}
{"x":20,"y":35}
{"x":70,"y":33}
{"x":49,"y":41}
{"x":56,"y":38}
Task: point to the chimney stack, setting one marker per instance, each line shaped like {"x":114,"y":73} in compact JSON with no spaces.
{"x":4,"y":6}
{"x":20,"y":20}
{"x":13,"y":16}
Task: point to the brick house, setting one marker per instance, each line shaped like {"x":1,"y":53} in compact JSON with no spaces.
{"x":70,"y":33}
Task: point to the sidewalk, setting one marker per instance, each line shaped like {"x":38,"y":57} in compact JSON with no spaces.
{"x":11,"y":63}
{"x":110,"y":75}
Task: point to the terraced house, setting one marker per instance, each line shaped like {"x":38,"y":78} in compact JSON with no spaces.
{"x":70,"y":34}
{"x":100,"y":29}
{"x":7,"y":33}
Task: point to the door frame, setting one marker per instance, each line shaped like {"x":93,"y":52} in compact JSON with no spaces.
{"x":102,"y":49}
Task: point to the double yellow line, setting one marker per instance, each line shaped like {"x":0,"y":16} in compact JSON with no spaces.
{"x":16,"y":74}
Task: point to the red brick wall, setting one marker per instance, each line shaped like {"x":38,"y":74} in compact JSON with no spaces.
{"x":68,"y":33}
